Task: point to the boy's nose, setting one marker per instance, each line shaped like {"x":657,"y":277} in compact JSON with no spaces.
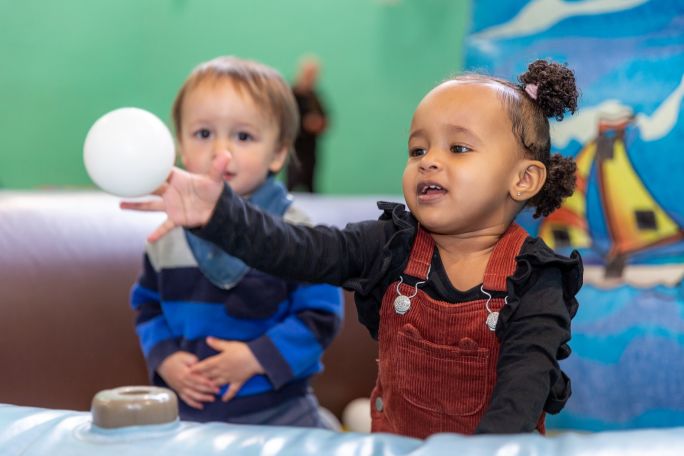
{"x":221,"y":146}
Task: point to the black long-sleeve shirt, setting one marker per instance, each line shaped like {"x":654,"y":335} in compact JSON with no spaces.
{"x":366,"y":257}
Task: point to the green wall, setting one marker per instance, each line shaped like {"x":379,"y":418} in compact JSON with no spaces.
{"x":65,"y":63}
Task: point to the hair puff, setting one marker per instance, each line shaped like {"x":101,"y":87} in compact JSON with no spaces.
{"x":556,"y":89}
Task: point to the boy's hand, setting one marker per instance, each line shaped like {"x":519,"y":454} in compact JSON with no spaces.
{"x":188,"y":199}
{"x":235,"y":364}
{"x":192,"y":388}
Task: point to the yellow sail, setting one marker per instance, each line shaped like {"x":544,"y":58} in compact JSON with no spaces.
{"x":584,"y":160}
{"x":635,"y":220}
{"x":559,"y":234}
{"x":567,"y":226}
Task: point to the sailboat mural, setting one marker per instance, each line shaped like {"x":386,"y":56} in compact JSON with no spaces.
{"x":634,"y":220}
{"x":626,"y":216}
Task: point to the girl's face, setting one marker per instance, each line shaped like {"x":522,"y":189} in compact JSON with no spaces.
{"x":462,"y":160}
{"x":217,"y":117}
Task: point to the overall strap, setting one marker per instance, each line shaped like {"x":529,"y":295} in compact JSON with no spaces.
{"x":502,"y":264}
{"x":421,"y":255}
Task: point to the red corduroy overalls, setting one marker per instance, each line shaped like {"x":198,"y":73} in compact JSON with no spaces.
{"x":437,"y":362}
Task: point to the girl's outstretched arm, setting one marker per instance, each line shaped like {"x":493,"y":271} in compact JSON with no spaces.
{"x":320,"y":254}
{"x":208,"y":206}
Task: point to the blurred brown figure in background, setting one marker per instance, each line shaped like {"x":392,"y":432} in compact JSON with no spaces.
{"x":300,"y":172}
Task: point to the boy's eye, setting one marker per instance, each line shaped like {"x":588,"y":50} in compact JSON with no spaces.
{"x":202,"y":133}
{"x":416,"y":152}
{"x":244,"y":136}
{"x":459,"y":148}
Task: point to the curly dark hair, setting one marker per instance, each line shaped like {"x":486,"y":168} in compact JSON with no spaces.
{"x":551,"y":91}
{"x":556,"y":93}
{"x":556,"y":89}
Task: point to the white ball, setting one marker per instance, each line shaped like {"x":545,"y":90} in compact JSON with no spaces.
{"x":356,"y":416}
{"x":128,"y":152}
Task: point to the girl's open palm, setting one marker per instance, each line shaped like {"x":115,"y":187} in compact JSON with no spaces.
{"x":188,"y":199}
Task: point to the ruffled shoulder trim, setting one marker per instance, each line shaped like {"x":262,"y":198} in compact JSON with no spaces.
{"x":400,"y":235}
{"x":535,"y":254}
{"x":536,"y":258}
{"x":397,"y":213}
{"x":395,"y":229}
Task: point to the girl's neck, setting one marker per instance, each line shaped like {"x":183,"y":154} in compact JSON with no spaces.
{"x":465,"y":255}
{"x":472,"y":243}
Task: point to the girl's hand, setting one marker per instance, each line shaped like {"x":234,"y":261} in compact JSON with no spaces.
{"x":234,"y":364}
{"x":188,"y":199}
{"x":191,"y":387}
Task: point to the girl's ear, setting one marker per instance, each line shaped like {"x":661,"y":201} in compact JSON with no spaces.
{"x":530,"y":179}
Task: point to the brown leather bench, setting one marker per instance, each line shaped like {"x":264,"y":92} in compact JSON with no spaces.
{"x":67,"y":262}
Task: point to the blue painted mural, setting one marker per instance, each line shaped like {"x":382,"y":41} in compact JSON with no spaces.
{"x":627,"y":215}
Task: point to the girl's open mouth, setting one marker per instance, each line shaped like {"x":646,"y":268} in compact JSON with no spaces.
{"x":430,"y":191}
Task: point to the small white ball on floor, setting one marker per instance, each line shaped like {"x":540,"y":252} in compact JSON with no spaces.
{"x":356,"y":416}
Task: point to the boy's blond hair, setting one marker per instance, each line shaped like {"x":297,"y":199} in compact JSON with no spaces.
{"x":264,"y":85}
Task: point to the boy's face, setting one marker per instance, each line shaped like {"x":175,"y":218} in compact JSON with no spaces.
{"x":462,"y":159}
{"x":217,"y":117}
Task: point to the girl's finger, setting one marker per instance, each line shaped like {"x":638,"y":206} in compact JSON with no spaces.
{"x":162,"y":230}
{"x":154,"y":205}
{"x":163,"y":187}
{"x":218,"y":166}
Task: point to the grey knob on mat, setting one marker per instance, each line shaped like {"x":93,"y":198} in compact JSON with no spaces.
{"x":134,"y":406}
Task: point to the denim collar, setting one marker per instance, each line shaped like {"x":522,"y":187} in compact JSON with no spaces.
{"x":222,"y":269}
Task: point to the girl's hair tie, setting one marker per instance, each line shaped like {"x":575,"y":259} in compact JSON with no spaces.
{"x":531,"y":90}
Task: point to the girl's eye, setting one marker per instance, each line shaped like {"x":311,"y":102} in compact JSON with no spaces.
{"x":416,"y":152}
{"x":244,"y":136}
{"x":459,"y":149}
{"x":202,"y":133}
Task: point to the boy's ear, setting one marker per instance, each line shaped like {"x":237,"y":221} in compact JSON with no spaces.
{"x":279,"y":159}
{"x":530,"y":178}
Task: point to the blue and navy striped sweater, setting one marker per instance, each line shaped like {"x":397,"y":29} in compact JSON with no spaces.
{"x":287,"y":325}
